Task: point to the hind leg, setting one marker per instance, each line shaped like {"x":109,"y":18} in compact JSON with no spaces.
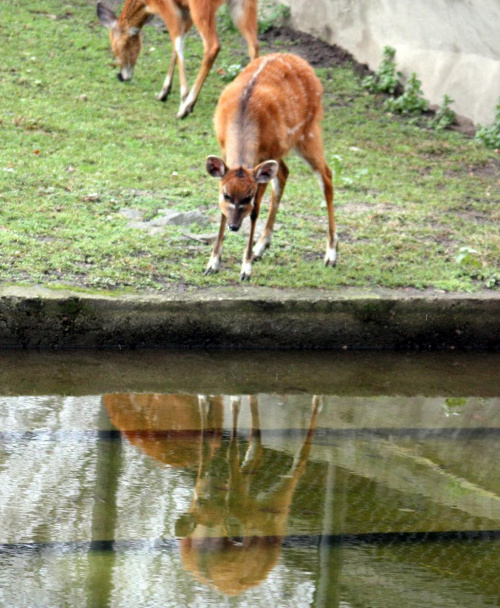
{"x":311,"y":150}
{"x":244,"y":16}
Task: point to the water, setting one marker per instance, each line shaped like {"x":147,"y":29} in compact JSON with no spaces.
{"x":172,"y":479}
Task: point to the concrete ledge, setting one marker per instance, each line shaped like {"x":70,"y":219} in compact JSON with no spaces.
{"x":251,"y":317}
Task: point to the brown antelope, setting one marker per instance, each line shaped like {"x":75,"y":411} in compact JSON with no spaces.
{"x":233,"y":532}
{"x":178,"y":15}
{"x":274,"y":105}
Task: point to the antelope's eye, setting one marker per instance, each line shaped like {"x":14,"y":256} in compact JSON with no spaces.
{"x":246,"y":201}
{"x":227,"y":197}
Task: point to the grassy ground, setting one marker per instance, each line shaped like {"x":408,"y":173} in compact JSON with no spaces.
{"x":77,"y":146}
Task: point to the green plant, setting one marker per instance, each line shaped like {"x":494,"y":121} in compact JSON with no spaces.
{"x":386,"y":79}
{"x":338,"y":170}
{"x":492,"y":280}
{"x":278,"y":15}
{"x":227,"y":73}
{"x":340,"y":179}
{"x":490,"y":136}
{"x":466,"y":256}
{"x":445,"y":116}
{"x":411,"y":101}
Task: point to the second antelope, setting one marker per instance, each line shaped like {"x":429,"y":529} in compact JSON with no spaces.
{"x":178,"y":15}
{"x":274,"y":105}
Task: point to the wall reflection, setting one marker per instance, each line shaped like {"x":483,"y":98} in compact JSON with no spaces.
{"x":232,"y":534}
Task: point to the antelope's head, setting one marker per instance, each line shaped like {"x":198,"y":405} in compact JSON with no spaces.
{"x":125,"y":41}
{"x":238,"y":187}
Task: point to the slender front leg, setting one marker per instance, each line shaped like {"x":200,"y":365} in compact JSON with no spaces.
{"x":179,"y":47}
{"x":214,"y":262}
{"x":167,"y":85}
{"x":246,"y":267}
{"x":178,"y":24}
{"x":278,"y":185}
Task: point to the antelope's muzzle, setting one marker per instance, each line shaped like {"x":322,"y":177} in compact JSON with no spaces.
{"x":125,"y":74}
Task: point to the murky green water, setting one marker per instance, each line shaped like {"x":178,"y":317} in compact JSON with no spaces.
{"x":167,"y":479}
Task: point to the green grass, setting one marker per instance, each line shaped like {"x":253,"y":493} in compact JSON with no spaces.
{"x":77,"y":146}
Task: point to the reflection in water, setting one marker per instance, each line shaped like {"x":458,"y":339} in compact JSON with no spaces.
{"x":234,"y":529}
{"x":389,"y":498}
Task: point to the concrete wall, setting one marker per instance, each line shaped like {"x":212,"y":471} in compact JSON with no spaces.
{"x":452,"y":45}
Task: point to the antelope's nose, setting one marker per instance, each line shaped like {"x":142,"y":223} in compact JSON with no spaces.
{"x":125,"y":74}
{"x":234,"y":227}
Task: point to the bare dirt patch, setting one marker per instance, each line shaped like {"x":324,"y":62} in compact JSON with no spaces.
{"x":491,"y":170}
{"x":315,"y":51}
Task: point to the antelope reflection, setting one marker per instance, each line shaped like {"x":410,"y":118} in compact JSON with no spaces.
{"x":231,"y":537}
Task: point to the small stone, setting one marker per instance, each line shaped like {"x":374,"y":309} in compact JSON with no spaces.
{"x":139,"y":225}
{"x":180,"y":218}
{"x":130,"y":213}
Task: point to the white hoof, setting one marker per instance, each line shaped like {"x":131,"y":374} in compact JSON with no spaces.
{"x":213,"y":266}
{"x":330,"y":257}
{"x":186,"y":107}
{"x":260,"y":247}
{"x":246,"y":271}
{"x":331,"y":253}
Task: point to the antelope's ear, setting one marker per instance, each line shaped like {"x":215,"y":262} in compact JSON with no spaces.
{"x":216,"y":167}
{"x":106,"y":15}
{"x":266,"y":171}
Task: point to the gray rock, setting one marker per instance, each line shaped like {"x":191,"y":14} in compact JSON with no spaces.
{"x":131,"y":213}
{"x":146,"y":226}
{"x":172,"y":217}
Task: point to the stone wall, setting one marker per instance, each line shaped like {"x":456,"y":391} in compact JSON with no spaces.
{"x":452,"y":45}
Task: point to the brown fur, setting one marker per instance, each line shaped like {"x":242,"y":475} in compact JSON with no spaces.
{"x":272,"y":107}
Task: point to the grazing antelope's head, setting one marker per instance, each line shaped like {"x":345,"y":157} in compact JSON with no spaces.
{"x":125,"y":41}
{"x":238,"y":187}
